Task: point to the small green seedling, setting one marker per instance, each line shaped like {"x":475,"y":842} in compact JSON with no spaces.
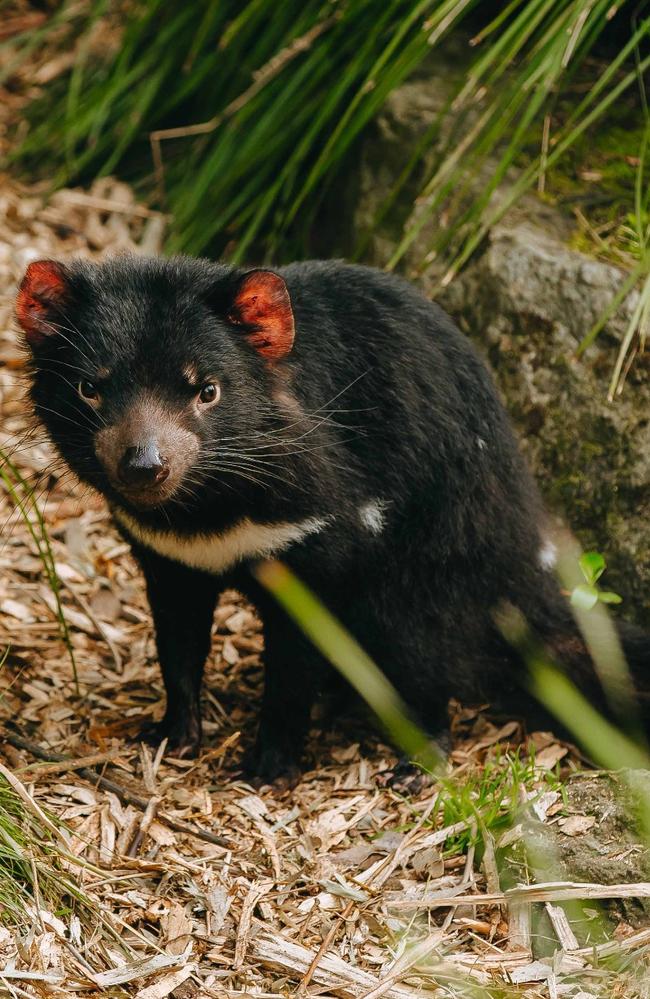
{"x":586,"y":595}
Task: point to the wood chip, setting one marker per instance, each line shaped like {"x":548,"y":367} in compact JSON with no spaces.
{"x":165,"y":986}
{"x":138,"y":969}
{"x":256,"y":892}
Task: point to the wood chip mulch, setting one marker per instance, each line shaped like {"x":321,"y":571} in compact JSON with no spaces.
{"x":194,"y":883}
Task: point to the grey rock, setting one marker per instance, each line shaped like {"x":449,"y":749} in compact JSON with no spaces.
{"x":613,"y":851}
{"x":527,"y":301}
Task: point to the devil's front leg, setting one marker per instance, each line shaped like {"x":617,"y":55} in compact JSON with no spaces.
{"x":182,"y":602}
{"x":294,"y":673}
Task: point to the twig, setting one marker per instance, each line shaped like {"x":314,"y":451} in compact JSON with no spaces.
{"x":256,"y":892}
{"x":263,"y":76}
{"x":126,"y":796}
{"x":554,"y":891}
{"x":272,"y":950}
{"x":107,"y":205}
{"x":562,"y":927}
{"x":324,"y":947}
{"x":35,"y":770}
{"x":402,"y":967}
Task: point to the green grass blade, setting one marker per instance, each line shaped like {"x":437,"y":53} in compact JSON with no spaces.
{"x":23,"y":496}
{"x":337,"y":645}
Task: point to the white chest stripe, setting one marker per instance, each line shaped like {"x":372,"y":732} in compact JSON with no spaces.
{"x":218,"y":552}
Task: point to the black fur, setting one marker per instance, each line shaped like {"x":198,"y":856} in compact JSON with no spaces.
{"x":381,"y":399}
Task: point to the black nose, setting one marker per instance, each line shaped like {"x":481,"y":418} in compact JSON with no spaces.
{"x":143,"y":465}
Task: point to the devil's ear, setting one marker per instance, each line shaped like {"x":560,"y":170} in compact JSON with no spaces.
{"x":261,"y":305}
{"x":41,"y":296}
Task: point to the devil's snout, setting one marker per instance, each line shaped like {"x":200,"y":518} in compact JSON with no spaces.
{"x":146,"y":452}
{"x":143,"y":465}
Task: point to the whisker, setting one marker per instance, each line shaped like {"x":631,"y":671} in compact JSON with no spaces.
{"x":309,"y":415}
{"x":75,"y":423}
{"x":303,"y":450}
{"x":72,"y":343}
{"x":77,"y":333}
{"x":262,"y":470}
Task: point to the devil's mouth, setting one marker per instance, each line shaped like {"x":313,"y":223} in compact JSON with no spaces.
{"x":145,"y":499}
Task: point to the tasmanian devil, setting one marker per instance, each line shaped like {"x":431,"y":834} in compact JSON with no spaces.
{"x":324,"y":413}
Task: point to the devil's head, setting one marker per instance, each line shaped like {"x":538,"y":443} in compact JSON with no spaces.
{"x":155,"y":377}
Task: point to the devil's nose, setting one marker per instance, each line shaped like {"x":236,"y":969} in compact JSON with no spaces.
{"x":143,"y":465}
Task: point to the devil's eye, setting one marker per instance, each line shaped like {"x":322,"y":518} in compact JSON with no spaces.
{"x":88,"y":391}
{"x":209,"y":393}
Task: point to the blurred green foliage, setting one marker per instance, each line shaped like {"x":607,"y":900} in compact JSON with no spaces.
{"x":266,"y":102}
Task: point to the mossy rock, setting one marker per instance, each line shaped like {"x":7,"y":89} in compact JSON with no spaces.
{"x":612,"y":851}
{"x":527,"y":301}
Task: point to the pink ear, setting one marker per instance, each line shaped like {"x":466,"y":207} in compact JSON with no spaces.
{"x":262,"y":303}
{"x":41,"y":291}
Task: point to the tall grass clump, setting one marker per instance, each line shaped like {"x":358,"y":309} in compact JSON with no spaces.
{"x":252,"y":108}
{"x":512,"y":103}
{"x":39,"y":874}
{"x":264,"y":101}
{"x":22,"y":494}
{"x":528,"y":57}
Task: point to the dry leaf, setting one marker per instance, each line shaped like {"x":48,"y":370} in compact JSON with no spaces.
{"x":15,"y":609}
{"x":542,"y":804}
{"x":547,"y":758}
{"x":177,"y":929}
{"x":576,"y":825}
{"x":428,"y":863}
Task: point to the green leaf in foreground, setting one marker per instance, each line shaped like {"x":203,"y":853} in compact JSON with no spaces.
{"x":601,"y":739}
{"x":586,"y":595}
{"x":609,"y":597}
{"x":593,"y":566}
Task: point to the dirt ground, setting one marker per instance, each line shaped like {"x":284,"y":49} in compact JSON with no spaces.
{"x":193,"y":883}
